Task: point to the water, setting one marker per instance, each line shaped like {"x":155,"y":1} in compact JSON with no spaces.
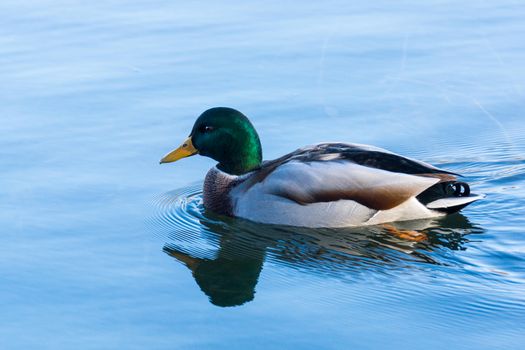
{"x":102,"y":248}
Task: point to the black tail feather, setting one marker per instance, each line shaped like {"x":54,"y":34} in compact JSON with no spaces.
{"x":444,"y":190}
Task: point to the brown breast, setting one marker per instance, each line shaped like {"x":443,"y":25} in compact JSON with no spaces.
{"x":216,"y":191}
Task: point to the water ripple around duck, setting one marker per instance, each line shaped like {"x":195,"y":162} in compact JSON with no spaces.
{"x":227,"y":256}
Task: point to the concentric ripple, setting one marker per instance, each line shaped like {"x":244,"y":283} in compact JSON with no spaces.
{"x":226,"y":255}
{"x":180,"y":208}
{"x":181,"y":220}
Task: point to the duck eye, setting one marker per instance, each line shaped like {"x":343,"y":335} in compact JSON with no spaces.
{"x":206,"y":128}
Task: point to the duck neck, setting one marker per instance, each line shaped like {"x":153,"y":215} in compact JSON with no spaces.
{"x":242,"y":160}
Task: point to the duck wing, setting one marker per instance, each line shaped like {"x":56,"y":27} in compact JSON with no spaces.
{"x":369,"y":156}
{"x":329,"y":172}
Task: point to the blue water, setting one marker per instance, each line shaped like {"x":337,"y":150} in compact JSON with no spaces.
{"x":102,"y":248}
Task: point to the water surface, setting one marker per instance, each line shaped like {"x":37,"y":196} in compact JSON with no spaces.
{"x":102,"y":248}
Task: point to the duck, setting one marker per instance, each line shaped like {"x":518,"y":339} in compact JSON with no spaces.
{"x":329,"y":184}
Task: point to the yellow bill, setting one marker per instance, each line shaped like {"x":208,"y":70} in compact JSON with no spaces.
{"x":185,"y":150}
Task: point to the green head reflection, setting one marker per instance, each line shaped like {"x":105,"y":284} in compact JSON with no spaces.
{"x":227,"y":281}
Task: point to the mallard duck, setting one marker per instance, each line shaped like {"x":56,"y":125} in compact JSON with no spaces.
{"x":322,"y":185}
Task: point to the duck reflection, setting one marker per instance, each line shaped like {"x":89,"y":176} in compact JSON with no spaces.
{"x":230,"y":278}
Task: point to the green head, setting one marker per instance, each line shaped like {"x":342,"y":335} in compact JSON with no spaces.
{"x":226,"y":135}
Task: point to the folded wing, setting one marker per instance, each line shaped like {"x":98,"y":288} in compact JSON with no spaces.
{"x":333,"y":180}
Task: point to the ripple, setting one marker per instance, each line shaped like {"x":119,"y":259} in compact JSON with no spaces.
{"x":226,"y":256}
{"x":220,"y":249}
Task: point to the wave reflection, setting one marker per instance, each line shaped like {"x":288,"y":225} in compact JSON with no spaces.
{"x":226,"y":255}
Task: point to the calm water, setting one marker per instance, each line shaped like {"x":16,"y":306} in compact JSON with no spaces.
{"x":102,"y":248}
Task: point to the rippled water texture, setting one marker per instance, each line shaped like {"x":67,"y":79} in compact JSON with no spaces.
{"x":102,"y":248}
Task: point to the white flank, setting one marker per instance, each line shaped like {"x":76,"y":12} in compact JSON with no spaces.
{"x":259,"y":202}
